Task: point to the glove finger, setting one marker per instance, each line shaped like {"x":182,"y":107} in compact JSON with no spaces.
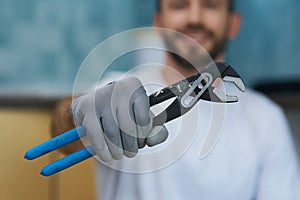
{"x":142,"y":133}
{"x":141,"y":115}
{"x":96,"y":138}
{"x":131,"y":112}
{"x":130,"y":144}
{"x":128,"y":129}
{"x":112,"y":135}
{"x":157,"y":135}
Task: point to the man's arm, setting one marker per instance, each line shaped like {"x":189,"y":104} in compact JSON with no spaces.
{"x":61,"y":122}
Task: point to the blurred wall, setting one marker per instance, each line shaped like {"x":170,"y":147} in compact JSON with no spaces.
{"x":42,"y":43}
{"x":21,"y":129}
{"x":268,"y":46}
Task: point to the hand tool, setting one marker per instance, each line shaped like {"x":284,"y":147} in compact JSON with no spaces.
{"x":187,"y":93}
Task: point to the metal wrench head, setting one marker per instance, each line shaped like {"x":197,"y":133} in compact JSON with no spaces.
{"x":189,"y":91}
{"x":226,"y":73}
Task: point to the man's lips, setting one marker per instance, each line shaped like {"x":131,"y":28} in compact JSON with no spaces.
{"x":200,"y":38}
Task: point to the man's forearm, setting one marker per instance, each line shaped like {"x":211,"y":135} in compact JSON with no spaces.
{"x":61,"y":122}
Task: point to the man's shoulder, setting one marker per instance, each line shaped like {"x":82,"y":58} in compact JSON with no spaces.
{"x":257,"y":99}
{"x":259,"y":107}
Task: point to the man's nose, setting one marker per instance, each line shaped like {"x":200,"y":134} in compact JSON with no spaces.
{"x":195,"y":14}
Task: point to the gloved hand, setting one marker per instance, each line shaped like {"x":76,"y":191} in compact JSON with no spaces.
{"x":117,"y":119}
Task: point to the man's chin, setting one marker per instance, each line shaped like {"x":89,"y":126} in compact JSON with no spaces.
{"x":193,"y":61}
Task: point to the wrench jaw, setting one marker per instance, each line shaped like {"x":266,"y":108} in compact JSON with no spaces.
{"x":225,"y":72}
{"x":226,"y":98}
{"x":216,"y":95}
{"x":237,"y":81}
{"x":230,"y":75}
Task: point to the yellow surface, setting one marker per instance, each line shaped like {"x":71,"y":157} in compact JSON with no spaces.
{"x":22,"y":129}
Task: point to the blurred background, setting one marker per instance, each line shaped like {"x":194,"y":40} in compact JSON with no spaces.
{"x":43,"y":43}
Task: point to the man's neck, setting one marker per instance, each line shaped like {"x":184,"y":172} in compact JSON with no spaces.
{"x":174,"y":72}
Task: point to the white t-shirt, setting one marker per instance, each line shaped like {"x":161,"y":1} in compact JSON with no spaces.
{"x":254,"y":157}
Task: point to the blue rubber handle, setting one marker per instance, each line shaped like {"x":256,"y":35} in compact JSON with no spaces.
{"x":68,"y":161}
{"x":55,"y":143}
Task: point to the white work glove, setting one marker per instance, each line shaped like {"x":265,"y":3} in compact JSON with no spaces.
{"x":117,"y":119}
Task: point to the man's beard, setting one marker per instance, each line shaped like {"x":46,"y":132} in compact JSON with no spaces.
{"x":195,"y":60}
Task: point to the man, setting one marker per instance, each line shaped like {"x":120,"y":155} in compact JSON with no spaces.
{"x":254,"y":159}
